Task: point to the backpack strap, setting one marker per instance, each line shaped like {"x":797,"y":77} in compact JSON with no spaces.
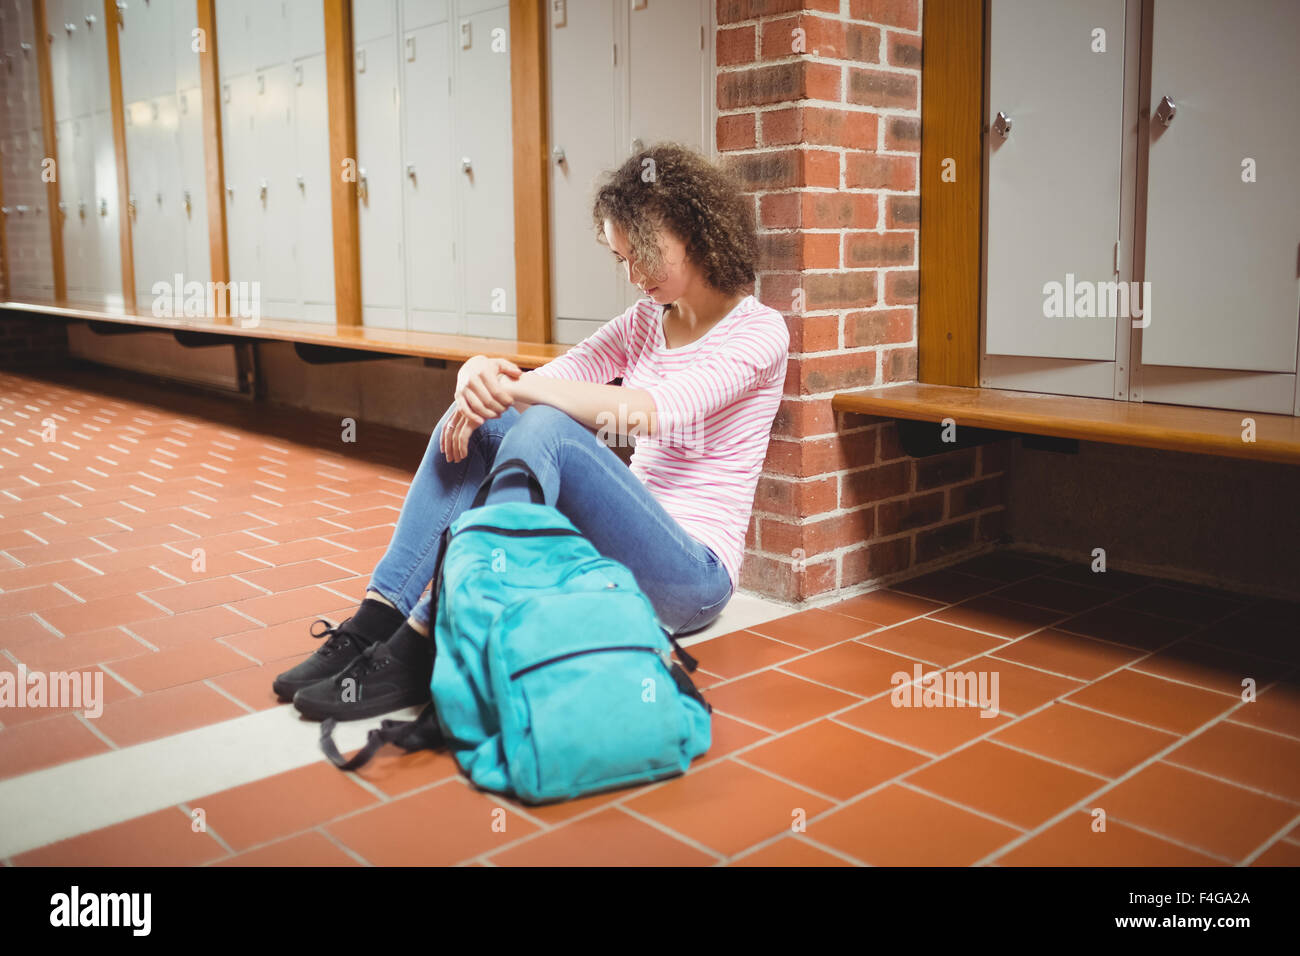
{"x":690,"y":662}
{"x":687,"y":686}
{"x":535,"y":490}
{"x":423,"y":733}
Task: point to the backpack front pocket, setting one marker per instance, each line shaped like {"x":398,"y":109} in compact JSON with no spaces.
{"x":586,"y":697}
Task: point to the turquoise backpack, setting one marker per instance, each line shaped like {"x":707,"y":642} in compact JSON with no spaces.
{"x":553,"y":676}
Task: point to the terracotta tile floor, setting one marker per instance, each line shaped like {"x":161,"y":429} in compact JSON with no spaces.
{"x":181,"y":545}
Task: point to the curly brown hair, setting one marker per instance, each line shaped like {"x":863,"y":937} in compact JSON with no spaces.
{"x":671,"y":186}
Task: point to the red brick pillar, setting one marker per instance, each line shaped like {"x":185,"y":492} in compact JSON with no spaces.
{"x":819,"y":115}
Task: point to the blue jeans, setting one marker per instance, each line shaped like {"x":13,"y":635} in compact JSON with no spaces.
{"x":587,"y":482}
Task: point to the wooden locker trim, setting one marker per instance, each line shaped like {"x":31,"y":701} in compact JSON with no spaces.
{"x":46,"y":79}
{"x":952,"y":122}
{"x":341,"y":94}
{"x":213,"y":159}
{"x":112,"y":23}
{"x":532,"y":171}
{"x":6,"y":286}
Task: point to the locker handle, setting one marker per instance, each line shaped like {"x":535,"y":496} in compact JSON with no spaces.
{"x":130,"y":207}
{"x":103,"y":207}
{"x":230,"y":191}
{"x":70,"y":27}
{"x":261,"y":190}
{"x":410,"y":171}
{"x":22,"y":209}
{"x":558,"y":154}
{"x":466,"y":166}
{"x":4,"y":210}
{"x":81,"y":209}
{"x":302,"y":181}
{"x":363,"y":185}
{"x":25,"y":47}
{"x":1002,"y":125}
{"x":91,"y":19}
{"x":185,"y":201}
{"x":1166,"y":110}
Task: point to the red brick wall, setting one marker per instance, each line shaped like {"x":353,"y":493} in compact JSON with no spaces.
{"x":824,"y":128}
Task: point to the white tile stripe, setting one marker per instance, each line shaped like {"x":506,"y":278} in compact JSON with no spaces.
{"x":79,"y":796}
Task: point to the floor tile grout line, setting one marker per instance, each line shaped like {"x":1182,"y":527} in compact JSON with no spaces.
{"x":1113,"y":785}
{"x":209,"y":681}
{"x":187,"y":807}
{"x":1281,"y":798}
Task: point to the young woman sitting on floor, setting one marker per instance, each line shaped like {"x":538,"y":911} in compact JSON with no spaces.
{"x":702,"y":364}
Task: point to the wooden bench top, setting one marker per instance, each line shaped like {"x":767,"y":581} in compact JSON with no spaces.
{"x":456,"y":348}
{"x":1206,"y":431}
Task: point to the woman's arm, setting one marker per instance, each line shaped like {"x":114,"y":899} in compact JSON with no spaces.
{"x":615,"y":408}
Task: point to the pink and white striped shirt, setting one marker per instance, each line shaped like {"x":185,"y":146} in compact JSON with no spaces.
{"x":715,"y":400}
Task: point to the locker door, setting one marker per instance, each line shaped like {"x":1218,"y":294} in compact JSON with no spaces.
{"x":270,"y":26}
{"x":430,"y":204}
{"x":315,"y":223}
{"x":92,"y":59}
{"x":234,"y":37}
{"x":379,"y":154}
{"x":422,"y":13}
{"x":184,"y":21}
{"x":1221,"y":250}
{"x":482,"y":90}
{"x":87,"y":218}
{"x":147,"y":50}
{"x":275,"y":188}
{"x":141,"y":167}
{"x":306,"y":28}
{"x":1054,"y":181}
{"x":191,"y":204}
{"x":373,"y":19}
{"x":67,"y":103}
{"x":107,"y":245}
{"x":69,"y":194}
{"x":666,"y":57}
{"x":584,"y":124}
{"x":238,"y":138}
{"x":164,"y":201}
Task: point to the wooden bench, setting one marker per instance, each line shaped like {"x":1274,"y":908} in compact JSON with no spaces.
{"x":313,"y":341}
{"x":1205,"y":431}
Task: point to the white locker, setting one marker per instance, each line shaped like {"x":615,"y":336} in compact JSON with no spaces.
{"x":380,"y":176}
{"x":238,"y":102}
{"x":275,"y":192}
{"x":585,"y":108}
{"x":270,"y":28}
{"x":164,"y":199}
{"x":430,"y":211}
{"x":1223,"y":206}
{"x":306,"y":28}
{"x":147,"y":50}
{"x":70,"y":208}
{"x":142,"y":159}
{"x":92,"y":58}
{"x":108,"y":248}
{"x":372,"y":20}
{"x":1053,"y":191}
{"x":192,"y":201}
{"x":184,"y":23}
{"x":69,"y":98}
{"x":314,"y":244}
{"x":423,"y":13}
{"x":234,"y":37}
{"x":485,"y":170}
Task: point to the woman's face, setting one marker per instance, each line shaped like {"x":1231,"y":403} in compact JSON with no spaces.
{"x":676,"y":272}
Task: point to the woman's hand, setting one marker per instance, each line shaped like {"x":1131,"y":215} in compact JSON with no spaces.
{"x":454,"y":442}
{"x":482,"y":388}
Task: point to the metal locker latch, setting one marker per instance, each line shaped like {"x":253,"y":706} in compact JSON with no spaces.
{"x":81,"y":209}
{"x":130,"y":207}
{"x":4,"y":210}
{"x":558,"y":155}
{"x":363,"y":185}
{"x":63,"y":208}
{"x":464,"y":35}
{"x":261,"y":190}
{"x":22,"y":209}
{"x":361,"y":61}
{"x":302,"y":182}
{"x":103,"y":207}
{"x":1002,"y":125}
{"x":70,"y":27}
{"x":185,"y":201}
{"x":230,"y":191}
{"x":410,"y":49}
{"x":25,"y":47}
{"x":91,"y":19}
{"x":1166,"y":110}
{"x":410,"y":171}
{"x":466,"y":166}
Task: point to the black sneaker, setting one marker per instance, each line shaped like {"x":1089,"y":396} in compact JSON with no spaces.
{"x":373,"y":684}
{"x":344,"y":645}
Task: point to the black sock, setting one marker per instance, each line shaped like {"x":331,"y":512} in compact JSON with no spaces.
{"x":411,"y":647}
{"x":375,"y":621}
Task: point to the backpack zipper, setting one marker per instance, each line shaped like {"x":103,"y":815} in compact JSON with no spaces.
{"x":597,"y":650}
{"x":517,"y":532}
